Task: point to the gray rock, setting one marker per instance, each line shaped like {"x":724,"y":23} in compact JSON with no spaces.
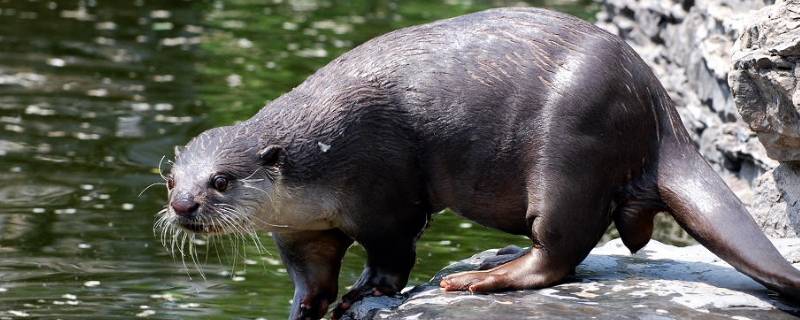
{"x":732,"y":148}
{"x":659,"y":282}
{"x":776,"y":205}
{"x":765,"y":78}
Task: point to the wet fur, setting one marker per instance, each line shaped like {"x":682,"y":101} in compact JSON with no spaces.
{"x":525,"y":120}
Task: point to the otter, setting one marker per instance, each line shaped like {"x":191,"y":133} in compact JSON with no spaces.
{"x":528,"y":121}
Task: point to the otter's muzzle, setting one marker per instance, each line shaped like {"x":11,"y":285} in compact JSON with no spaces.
{"x":184,"y":206}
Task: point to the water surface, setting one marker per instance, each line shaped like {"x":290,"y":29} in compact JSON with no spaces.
{"x":94,"y":93}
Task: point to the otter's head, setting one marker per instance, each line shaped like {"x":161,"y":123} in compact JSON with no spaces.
{"x":221,"y":182}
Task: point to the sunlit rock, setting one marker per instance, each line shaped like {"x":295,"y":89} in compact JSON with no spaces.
{"x":765,"y":81}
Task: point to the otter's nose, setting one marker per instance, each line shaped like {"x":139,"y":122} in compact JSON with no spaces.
{"x":185,"y":206}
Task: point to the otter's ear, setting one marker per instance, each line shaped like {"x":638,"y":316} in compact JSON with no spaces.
{"x":271,"y":155}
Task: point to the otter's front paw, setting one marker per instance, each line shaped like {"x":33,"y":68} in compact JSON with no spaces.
{"x":306,"y":312}
{"x":355,"y":295}
{"x":312,"y":307}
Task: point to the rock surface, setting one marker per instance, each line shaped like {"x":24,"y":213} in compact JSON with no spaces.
{"x":766,"y":68}
{"x":659,"y":282}
{"x":776,"y":207}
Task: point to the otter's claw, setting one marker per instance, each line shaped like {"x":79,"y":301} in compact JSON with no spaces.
{"x":352,"y":297}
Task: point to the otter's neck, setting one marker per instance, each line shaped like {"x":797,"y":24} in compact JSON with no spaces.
{"x":328,"y":130}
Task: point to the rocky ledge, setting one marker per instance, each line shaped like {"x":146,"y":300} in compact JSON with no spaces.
{"x":659,"y":282}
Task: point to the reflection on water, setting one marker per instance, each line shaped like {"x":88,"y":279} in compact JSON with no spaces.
{"x":92,"y":94}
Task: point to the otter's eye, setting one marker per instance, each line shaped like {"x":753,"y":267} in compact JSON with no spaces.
{"x":220,"y":183}
{"x":170,"y":183}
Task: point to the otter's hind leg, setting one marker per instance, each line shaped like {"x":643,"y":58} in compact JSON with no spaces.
{"x":568,"y":215}
{"x":313,"y":259}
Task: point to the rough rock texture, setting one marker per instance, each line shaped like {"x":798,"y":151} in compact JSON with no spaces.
{"x":776,"y":205}
{"x":764,"y":79}
{"x":719,"y":59}
{"x":659,"y":282}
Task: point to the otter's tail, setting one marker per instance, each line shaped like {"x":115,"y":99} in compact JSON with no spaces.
{"x":704,"y":206}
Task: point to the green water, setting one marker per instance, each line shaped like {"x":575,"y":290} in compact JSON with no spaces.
{"x":93,"y":93}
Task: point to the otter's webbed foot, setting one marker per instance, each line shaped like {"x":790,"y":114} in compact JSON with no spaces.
{"x":531,"y":270}
{"x":503,"y":256}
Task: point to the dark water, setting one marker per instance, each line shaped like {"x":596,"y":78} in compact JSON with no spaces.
{"x":93,"y":93}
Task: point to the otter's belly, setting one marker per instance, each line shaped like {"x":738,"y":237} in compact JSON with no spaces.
{"x":492,"y":193}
